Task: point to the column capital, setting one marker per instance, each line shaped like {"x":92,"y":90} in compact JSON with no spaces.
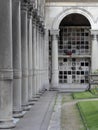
{"x":16,"y":0}
{"x":94,"y":34}
{"x":24,"y":6}
{"x":30,"y":14}
{"x":33,"y":22}
{"x":31,"y":7}
{"x":54,"y":32}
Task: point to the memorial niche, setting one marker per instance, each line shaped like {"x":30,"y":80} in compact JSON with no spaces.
{"x":74,"y":49}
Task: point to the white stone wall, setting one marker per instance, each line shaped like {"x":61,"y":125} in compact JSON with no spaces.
{"x":56,"y":11}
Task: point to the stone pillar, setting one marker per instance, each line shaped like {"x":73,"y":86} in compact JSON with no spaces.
{"x":30,"y":66}
{"x":34,"y":58}
{"x":94,"y":62}
{"x":43,"y":59}
{"x":17,"y":110}
{"x":40,"y":59}
{"x":6,"y":71}
{"x":24,"y":45}
{"x":55,"y":34}
{"x":47,"y":58}
{"x":37,"y":59}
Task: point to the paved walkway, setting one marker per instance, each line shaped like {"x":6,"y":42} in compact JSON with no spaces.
{"x":39,"y":116}
{"x":70,"y":119}
{"x":55,"y":118}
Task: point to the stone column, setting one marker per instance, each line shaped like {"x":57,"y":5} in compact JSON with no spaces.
{"x":34,"y":58}
{"x":40,"y":59}
{"x":54,"y":81}
{"x":6,"y":69}
{"x":47,"y":58}
{"x":24,"y":44}
{"x":17,"y":109}
{"x":30,"y":89}
{"x":37,"y":59}
{"x":43,"y":60}
{"x":94,"y":62}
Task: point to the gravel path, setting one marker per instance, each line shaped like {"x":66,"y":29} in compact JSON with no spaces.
{"x":70,"y":118}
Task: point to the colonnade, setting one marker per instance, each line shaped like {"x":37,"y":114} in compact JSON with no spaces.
{"x":23,"y":59}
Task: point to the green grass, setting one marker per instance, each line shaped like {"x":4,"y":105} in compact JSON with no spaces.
{"x":95,"y":90}
{"x":84,"y":95}
{"x":89,"y":113}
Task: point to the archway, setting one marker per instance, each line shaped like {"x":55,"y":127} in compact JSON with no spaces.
{"x":74,"y":49}
{"x":65,"y":13}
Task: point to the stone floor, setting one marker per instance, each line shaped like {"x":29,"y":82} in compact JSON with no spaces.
{"x":39,"y":115}
{"x":55,"y":118}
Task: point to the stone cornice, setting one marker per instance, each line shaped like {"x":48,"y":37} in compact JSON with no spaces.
{"x":84,"y":4}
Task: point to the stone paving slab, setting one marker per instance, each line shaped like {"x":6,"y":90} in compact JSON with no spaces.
{"x":39,"y":116}
{"x":55,"y":118}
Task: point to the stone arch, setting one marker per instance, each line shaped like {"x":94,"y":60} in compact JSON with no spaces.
{"x":60,"y":17}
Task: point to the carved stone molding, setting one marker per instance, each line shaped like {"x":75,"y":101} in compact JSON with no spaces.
{"x":6,"y":74}
{"x":94,"y":34}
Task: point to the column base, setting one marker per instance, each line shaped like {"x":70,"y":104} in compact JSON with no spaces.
{"x":26,"y":107}
{"x":31,"y":102}
{"x":6,"y":124}
{"x":35,"y":99}
{"x":38,"y":95}
{"x":43,"y":91}
{"x":54,"y":88}
{"x":18,"y":114}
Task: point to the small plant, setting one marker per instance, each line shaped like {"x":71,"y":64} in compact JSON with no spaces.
{"x":95,"y":72}
{"x":95,"y":90}
{"x":55,"y":101}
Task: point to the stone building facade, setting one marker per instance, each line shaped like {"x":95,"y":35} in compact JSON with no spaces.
{"x":48,"y":44}
{"x":73,"y":42}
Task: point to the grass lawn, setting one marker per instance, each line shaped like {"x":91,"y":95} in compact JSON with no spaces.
{"x":89,"y":113}
{"x":84,"y":95}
